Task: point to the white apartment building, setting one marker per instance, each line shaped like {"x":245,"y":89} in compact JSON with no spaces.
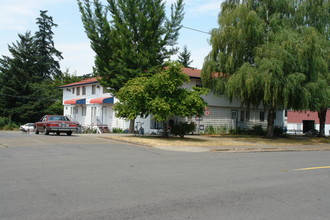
{"x":88,"y":103}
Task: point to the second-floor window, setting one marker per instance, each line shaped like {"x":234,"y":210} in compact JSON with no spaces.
{"x":73,"y":90}
{"x":93,"y":89}
{"x":83,"y":90}
{"x":78,"y":90}
{"x":105,"y":90}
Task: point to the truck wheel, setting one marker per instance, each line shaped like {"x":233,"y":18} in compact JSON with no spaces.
{"x":69,"y":133}
{"x":36,"y":130}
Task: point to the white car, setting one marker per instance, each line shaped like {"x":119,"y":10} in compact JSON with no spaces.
{"x":27,"y":127}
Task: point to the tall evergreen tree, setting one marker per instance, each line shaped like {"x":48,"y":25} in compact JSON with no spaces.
{"x":27,"y":89}
{"x":48,"y":66}
{"x":20,"y":98}
{"x":98,"y":30}
{"x":138,"y":39}
{"x":184,"y":57}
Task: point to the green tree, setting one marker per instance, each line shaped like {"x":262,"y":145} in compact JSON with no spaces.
{"x":47,"y":66}
{"x":184,"y":57}
{"x":27,"y":89}
{"x":160,"y":96}
{"x":98,"y":30}
{"x":138,"y":38}
{"x":314,"y":54}
{"x":256,"y":47}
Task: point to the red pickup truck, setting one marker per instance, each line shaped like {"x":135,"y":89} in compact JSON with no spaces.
{"x":55,"y":123}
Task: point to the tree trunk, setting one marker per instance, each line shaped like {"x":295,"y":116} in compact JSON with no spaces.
{"x":270,"y":123}
{"x":131,"y":126}
{"x":322,"y":113}
{"x":165,"y":127}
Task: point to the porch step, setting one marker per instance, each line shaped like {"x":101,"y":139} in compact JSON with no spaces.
{"x":103,"y":129}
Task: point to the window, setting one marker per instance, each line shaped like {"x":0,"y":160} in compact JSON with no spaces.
{"x":198,"y":83}
{"x":242,"y":115}
{"x":155,"y":125}
{"x":73,"y":90}
{"x":247,"y":115}
{"x":83,"y":111}
{"x":262,"y":116}
{"x":93,"y":114}
{"x":83,"y":90}
{"x":93,"y":89}
{"x":78,"y":90}
{"x":105,"y":90}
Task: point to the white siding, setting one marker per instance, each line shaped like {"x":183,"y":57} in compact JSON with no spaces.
{"x":220,"y":109}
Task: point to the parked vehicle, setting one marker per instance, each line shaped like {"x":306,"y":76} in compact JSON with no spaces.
{"x":55,"y":123}
{"x":28,"y":127}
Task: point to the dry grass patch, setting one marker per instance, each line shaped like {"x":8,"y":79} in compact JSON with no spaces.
{"x":289,"y":140}
{"x":176,"y":141}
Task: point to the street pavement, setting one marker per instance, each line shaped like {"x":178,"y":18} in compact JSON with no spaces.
{"x":87,"y":177}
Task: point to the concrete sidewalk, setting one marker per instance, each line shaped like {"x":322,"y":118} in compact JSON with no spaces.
{"x":225,"y":145}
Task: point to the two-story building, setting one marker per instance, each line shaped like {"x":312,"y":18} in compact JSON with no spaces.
{"x":90,"y":104}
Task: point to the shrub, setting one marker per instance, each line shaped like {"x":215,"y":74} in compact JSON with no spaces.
{"x":258,"y":130}
{"x":3,"y":122}
{"x":182,"y":128}
{"x":278,"y":131}
{"x":7,"y":124}
{"x":117,"y":130}
{"x":210,"y":130}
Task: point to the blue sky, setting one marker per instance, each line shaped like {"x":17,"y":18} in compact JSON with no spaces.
{"x":18,"y":16}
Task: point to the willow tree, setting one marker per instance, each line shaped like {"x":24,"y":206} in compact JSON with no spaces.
{"x":314,"y":17}
{"x":255,"y":48}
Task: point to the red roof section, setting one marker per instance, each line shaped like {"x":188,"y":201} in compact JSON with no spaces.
{"x":191,"y":72}
{"x":85,"y":81}
{"x":298,"y":117}
{"x":195,"y":73}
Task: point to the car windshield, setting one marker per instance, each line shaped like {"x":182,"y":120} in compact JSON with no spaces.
{"x":58,"y":118}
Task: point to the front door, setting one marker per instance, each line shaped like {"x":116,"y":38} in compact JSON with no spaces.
{"x":104,"y":115}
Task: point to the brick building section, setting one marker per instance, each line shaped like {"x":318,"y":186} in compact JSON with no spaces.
{"x":298,"y":117}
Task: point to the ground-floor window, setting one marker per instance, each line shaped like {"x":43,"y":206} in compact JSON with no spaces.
{"x":155,"y":125}
{"x":262,"y":116}
{"x":247,"y":115}
{"x":83,"y":111}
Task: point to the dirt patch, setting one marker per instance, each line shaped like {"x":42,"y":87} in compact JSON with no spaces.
{"x":175,"y":141}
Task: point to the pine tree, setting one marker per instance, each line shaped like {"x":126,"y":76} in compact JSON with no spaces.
{"x":27,"y":89}
{"x":20,"y":100}
{"x":138,"y":38}
{"x":184,"y":57}
{"x":48,"y":66}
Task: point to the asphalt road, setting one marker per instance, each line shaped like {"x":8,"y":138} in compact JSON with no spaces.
{"x":85,"y":177}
